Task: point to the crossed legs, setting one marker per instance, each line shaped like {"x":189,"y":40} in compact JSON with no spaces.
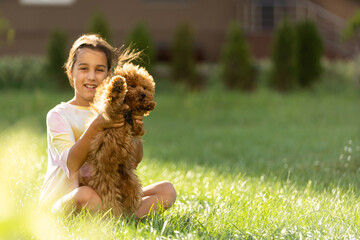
{"x":155,"y":195}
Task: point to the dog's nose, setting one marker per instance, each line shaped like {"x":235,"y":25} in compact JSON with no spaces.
{"x":143,"y":95}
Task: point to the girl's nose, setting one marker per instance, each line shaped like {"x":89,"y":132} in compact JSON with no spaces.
{"x":91,"y":75}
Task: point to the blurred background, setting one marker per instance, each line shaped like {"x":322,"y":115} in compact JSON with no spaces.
{"x":197,"y":33}
{"x":34,"y":21}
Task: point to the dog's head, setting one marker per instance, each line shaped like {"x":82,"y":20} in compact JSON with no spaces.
{"x":140,"y":88}
{"x":110,"y":96}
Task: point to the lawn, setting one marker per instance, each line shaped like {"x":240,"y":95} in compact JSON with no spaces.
{"x":256,"y":165}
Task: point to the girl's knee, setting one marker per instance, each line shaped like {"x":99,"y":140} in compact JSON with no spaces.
{"x":168,"y":192}
{"x":84,"y":196}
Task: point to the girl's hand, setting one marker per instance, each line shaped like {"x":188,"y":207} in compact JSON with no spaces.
{"x":138,"y":119}
{"x":100,"y":123}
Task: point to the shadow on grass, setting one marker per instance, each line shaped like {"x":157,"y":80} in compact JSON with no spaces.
{"x":299,"y":137}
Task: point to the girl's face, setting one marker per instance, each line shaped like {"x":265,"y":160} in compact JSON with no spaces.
{"x":89,"y":70}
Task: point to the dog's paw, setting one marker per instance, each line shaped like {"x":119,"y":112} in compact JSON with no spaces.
{"x":119,"y":84}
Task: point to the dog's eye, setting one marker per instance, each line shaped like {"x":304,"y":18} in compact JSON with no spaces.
{"x":132,"y":85}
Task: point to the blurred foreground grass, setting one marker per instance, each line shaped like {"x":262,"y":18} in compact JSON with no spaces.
{"x":261,"y":165}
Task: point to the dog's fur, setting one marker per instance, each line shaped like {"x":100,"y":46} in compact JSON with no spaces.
{"x":112,"y":154}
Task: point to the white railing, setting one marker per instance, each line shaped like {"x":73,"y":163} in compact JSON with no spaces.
{"x":330,"y":26}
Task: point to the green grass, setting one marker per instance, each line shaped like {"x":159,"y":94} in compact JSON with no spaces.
{"x":248,"y":166}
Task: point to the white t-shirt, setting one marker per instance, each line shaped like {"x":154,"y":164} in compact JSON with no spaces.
{"x":65,"y":125}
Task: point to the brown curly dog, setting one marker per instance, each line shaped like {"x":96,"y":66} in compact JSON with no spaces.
{"x":140,"y":93}
{"x":112,"y":154}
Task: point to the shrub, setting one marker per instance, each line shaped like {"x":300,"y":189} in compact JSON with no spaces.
{"x":99,"y":25}
{"x":309,"y":52}
{"x":283,"y":56}
{"x":24,"y":72}
{"x":56,"y":57}
{"x":236,"y":63}
{"x":7,"y":30}
{"x":140,"y":39}
{"x":183,"y":57}
{"x":352,"y":27}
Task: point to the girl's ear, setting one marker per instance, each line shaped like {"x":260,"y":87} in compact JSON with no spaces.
{"x":70,"y":75}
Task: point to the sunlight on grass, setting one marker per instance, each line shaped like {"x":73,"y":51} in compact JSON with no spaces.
{"x":21,"y":170}
{"x":244,"y":167}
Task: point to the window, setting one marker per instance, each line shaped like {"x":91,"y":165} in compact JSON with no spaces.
{"x":47,"y":2}
{"x":267,"y":20}
{"x":168,"y":1}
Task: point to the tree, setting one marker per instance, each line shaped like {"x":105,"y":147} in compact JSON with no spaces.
{"x":183,"y":57}
{"x":99,"y":25}
{"x":140,"y":39}
{"x":7,"y":30}
{"x":283,"y":74}
{"x":352,"y":28}
{"x":236,"y":63}
{"x":309,"y":52}
{"x":351,"y":31}
{"x":56,"y":57}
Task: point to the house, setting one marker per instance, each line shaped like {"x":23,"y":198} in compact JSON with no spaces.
{"x":33,"y":21}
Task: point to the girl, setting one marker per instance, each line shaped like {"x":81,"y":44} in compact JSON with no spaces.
{"x":89,"y":63}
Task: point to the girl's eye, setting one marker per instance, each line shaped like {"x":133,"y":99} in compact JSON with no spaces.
{"x":101,"y":70}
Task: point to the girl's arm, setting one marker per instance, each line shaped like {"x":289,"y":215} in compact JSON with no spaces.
{"x":139,"y":152}
{"x":138,"y":143}
{"x":79,"y":151}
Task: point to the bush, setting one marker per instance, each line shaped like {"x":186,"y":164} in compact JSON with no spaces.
{"x":352,"y":27}
{"x":283,"y":73}
{"x":24,"y":72}
{"x":140,"y":39}
{"x":183,"y":57}
{"x":309,"y":52}
{"x":56,"y":57}
{"x":99,"y":25}
{"x":7,"y":30}
{"x":236,"y":63}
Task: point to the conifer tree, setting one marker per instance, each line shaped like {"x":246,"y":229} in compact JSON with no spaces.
{"x":56,"y":57}
{"x":309,"y":53}
{"x":7,"y":33}
{"x":99,"y":25}
{"x":283,"y":74}
{"x":140,"y":39}
{"x":236,"y":63}
{"x":183,"y":57}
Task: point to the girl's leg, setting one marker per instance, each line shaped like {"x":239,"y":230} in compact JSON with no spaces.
{"x":155,"y":195}
{"x":82,"y":197}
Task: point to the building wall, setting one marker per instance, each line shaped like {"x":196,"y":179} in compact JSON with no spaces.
{"x":33,"y":23}
{"x":209,"y":19}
